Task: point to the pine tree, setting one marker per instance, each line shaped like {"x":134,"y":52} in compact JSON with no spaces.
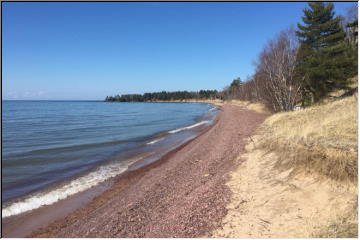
{"x":234,"y":89}
{"x":323,"y":64}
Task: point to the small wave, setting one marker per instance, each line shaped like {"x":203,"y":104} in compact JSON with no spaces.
{"x":55,"y":150}
{"x":188,"y":127}
{"x":213,"y":109}
{"x":75,"y":186}
{"x":154,"y":141}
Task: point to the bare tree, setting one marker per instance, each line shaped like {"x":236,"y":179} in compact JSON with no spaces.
{"x":351,"y":26}
{"x":352,"y":13}
{"x":274,"y":80}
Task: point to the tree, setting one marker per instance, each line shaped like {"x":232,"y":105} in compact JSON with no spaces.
{"x":353,"y":33}
{"x":323,"y":64}
{"x":234,"y":89}
{"x":236,"y":83}
{"x":275,"y":80}
{"x":351,"y":29}
{"x":164,"y":96}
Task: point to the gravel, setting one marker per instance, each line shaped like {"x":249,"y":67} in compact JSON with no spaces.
{"x":181,"y":195}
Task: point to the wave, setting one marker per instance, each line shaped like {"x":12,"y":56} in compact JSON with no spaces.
{"x":154,"y":141}
{"x":178,"y":130}
{"x":188,"y":127}
{"x":80,"y":184}
{"x":55,"y":150}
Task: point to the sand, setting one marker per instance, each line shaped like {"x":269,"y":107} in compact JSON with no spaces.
{"x":184,"y":194}
{"x":217,"y":185}
{"x":267,"y":203}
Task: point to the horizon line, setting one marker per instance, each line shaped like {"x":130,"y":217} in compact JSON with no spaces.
{"x":51,"y":100}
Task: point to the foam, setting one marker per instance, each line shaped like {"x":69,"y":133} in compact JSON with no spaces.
{"x":75,"y":186}
{"x":80,"y":184}
{"x":154,"y":141}
{"x":188,"y":127}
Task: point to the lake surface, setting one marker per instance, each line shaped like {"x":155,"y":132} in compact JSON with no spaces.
{"x":53,"y":149}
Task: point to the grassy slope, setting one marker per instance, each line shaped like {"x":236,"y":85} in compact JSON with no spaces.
{"x":320,"y":139}
{"x":300,"y":175}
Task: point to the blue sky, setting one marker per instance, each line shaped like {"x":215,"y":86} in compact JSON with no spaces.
{"x":90,"y":50}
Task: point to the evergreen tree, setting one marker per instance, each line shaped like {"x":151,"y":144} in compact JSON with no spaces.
{"x":323,"y":64}
{"x":163,"y":96}
{"x":234,"y":89}
{"x":236,"y":83}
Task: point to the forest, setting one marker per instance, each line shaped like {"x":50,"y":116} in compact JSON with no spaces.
{"x":164,"y":96}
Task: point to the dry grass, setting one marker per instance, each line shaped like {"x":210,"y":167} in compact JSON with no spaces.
{"x":336,"y":94}
{"x":353,"y":82}
{"x":322,"y":142}
{"x":299,"y":178}
{"x":267,"y":203}
{"x":258,"y":107}
{"x":321,"y":139}
{"x":340,"y":226}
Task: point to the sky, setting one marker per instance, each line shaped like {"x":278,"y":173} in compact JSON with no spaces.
{"x":86,"y":51}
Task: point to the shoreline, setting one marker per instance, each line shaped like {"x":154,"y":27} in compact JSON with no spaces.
{"x":149,"y":146}
{"x":93,"y":150}
{"x":50,"y":213}
{"x":57,"y":210}
{"x":183,"y":194}
{"x":255,"y":106}
{"x":216,"y":102}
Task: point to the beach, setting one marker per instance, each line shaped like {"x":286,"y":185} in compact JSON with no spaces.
{"x":132,"y":123}
{"x":181,"y":195}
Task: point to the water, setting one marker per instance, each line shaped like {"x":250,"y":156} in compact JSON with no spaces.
{"x":53,"y":149}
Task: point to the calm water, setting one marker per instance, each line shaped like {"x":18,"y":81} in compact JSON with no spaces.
{"x":47,"y":142}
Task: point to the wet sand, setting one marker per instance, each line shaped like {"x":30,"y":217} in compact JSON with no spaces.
{"x":181,"y":195}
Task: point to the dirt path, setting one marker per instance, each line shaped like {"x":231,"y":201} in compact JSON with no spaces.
{"x":181,"y":195}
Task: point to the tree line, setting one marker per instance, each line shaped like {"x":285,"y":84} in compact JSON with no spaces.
{"x":298,"y":67}
{"x":164,"y":96}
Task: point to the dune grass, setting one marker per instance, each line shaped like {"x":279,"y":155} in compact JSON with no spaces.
{"x":341,"y":226}
{"x":321,"y":139}
{"x":322,"y":142}
{"x":255,"y":106}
